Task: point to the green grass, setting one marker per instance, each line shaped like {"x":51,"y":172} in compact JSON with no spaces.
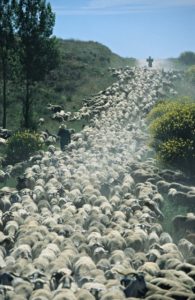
{"x":11,"y":182}
{"x":170,"y":210}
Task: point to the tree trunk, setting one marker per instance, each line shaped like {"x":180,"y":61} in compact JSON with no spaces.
{"x":26,"y":108}
{"x":4,"y":66}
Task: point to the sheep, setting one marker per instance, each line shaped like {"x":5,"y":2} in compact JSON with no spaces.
{"x":185,"y":267}
{"x":165,"y":238}
{"x":136,"y":239}
{"x":94,"y":237}
{"x":165,"y":283}
{"x":5,"y":203}
{"x":190,"y":237}
{"x":169,"y":260}
{"x":117,"y":257}
{"x":179,"y":295}
{"x":185,"y":282}
{"x":64,"y":294}
{"x":41,"y":263}
{"x":23,"y":288}
{"x":111,"y":295}
{"x":11,"y":295}
{"x":84,"y":265}
{"x":153,"y":238}
{"x":67,"y":256}
{"x":11,"y":228}
{"x":96,"y":206}
{"x":137,"y":259}
{"x":23,"y":251}
{"x":6,"y":241}
{"x":54,"y":107}
{"x":158,"y":296}
{"x":61,"y":279}
{"x":83,"y":294}
{"x":114,"y":241}
{"x":157,"y":228}
{"x":3,"y":141}
{"x":41,"y":294}
{"x":151,"y":268}
{"x":186,"y":247}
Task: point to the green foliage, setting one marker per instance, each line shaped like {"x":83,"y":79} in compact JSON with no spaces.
{"x":187,"y":58}
{"x":69,"y":99}
{"x":6,"y":47}
{"x":177,"y":150}
{"x":173,"y":132}
{"x":21,"y":146}
{"x":164,"y":106}
{"x":37,"y":49}
{"x":190,"y":73}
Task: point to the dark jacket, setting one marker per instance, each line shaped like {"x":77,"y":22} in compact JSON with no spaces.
{"x":65,"y":137}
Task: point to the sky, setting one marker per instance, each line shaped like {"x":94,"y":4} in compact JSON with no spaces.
{"x":130,"y":28}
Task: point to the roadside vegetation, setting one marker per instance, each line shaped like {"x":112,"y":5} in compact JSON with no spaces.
{"x":172,"y":121}
{"x":21,"y":146}
{"x":172,"y":126}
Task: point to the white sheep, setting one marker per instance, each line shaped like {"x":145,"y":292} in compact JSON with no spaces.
{"x":23,"y":251}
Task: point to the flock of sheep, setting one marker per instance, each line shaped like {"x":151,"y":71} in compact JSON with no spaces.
{"x":87,"y":222}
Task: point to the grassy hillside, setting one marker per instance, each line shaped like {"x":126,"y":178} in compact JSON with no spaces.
{"x":83,"y":70}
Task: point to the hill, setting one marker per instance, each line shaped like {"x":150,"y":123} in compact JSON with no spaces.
{"x":83,"y":70}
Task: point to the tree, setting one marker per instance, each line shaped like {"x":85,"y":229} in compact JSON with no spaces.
{"x":38,"y":51}
{"x":6,"y":46}
{"x":188,"y":58}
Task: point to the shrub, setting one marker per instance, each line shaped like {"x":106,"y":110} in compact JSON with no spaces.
{"x":68,"y":98}
{"x":190,"y":73}
{"x":164,"y":106}
{"x":21,"y":146}
{"x":187,"y":58}
{"x":177,"y":150}
{"x":173,"y":133}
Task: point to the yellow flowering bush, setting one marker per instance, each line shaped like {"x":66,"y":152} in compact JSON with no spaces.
{"x":172,"y":125}
{"x":176,"y":149}
{"x":21,"y":146}
{"x":164,"y":106}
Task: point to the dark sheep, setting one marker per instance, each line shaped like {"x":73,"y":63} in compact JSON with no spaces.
{"x":6,"y":278}
{"x":134,"y":285}
{"x":55,"y":108}
{"x":5,"y":133}
{"x":60,"y":278}
{"x":21,"y":183}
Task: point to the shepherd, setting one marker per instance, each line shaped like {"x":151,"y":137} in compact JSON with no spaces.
{"x":150,"y":61}
{"x":64,"y":135}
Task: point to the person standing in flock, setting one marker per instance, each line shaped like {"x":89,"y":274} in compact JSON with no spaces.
{"x":64,"y":135}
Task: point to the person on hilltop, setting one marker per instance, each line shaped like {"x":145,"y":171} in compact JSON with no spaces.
{"x":64,"y":135}
{"x":150,"y":61}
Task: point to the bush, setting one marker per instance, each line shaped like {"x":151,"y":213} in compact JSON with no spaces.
{"x":163,"y":106}
{"x":21,"y":146}
{"x":173,"y":133}
{"x":190,"y":73}
{"x":187,"y":58}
